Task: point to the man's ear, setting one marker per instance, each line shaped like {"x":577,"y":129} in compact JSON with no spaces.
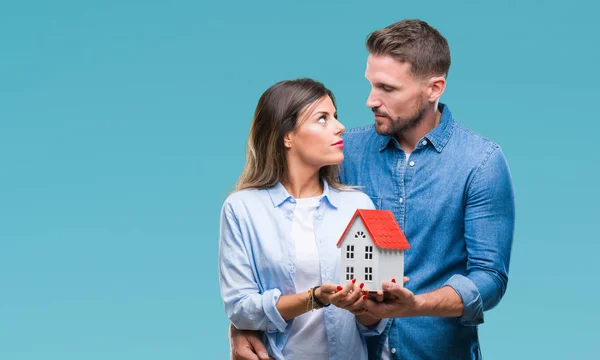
{"x":436,"y":88}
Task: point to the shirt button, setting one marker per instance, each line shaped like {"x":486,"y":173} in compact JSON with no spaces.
{"x":412,"y":163}
{"x":393,"y":350}
{"x":424,"y":142}
{"x":401,"y":200}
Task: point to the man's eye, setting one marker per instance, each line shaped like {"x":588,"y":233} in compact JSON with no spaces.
{"x":387,"y":88}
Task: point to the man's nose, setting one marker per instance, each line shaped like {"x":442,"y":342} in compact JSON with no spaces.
{"x":372,"y":101}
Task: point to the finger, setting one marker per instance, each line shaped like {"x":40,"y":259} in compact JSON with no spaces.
{"x":404,"y":280}
{"x":348,"y":301}
{"x":372,"y":307}
{"x":392,"y":289}
{"x":396,"y":292}
{"x":338,"y":297}
{"x":351,"y":306}
{"x":244,"y":354}
{"x":348,"y":287}
{"x":244,"y":343}
{"x":258,"y":347}
{"x":329,"y":288}
{"x":355,"y":295}
{"x":326,"y":291}
{"x":358,"y":304}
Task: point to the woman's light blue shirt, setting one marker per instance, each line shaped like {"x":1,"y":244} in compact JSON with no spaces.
{"x":257,"y":263}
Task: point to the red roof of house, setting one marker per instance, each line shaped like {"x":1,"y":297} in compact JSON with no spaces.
{"x":382,"y":227}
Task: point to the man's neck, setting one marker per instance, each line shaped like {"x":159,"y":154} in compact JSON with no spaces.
{"x":409,"y":138}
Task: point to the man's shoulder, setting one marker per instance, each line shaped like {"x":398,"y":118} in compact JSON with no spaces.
{"x":361,"y":129}
{"x":360,"y":133}
{"x":471,"y":142}
{"x":471,"y":135}
{"x":359,"y":139}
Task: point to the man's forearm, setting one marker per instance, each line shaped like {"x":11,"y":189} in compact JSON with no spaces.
{"x":443,"y":302}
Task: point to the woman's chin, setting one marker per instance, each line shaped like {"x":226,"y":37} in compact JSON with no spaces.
{"x":336,"y":160}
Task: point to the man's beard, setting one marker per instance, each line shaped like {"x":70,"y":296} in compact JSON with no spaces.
{"x":399,"y":125}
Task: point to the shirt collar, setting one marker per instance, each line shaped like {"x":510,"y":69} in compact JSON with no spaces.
{"x":279,"y":195}
{"x":438,"y":136}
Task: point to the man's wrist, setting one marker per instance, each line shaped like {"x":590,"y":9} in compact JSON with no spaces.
{"x":420,"y":306}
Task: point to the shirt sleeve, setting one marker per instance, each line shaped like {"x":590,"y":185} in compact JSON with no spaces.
{"x":489,"y":228}
{"x":246,"y":307}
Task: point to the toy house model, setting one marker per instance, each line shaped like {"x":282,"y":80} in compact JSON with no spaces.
{"x":372,"y":249}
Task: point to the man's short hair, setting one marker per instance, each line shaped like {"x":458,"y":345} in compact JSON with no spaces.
{"x":414,"y":42}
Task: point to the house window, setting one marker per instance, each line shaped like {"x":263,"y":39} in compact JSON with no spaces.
{"x":368,"y":274}
{"x":349,"y":251}
{"x":360,"y":234}
{"x":349,"y":272}
{"x":369,"y":252}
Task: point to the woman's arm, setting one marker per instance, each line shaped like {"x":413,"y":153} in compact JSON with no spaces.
{"x":245,"y":306}
{"x":290,"y":306}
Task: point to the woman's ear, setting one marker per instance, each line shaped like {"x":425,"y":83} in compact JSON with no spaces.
{"x":287,"y":140}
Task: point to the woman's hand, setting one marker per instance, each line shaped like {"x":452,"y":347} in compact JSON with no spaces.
{"x":350,"y":297}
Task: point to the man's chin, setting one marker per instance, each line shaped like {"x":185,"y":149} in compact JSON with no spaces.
{"x":382,"y":129}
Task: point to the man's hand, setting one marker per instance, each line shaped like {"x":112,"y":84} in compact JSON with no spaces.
{"x":246,"y":345}
{"x":402,"y":302}
{"x":443,"y":302}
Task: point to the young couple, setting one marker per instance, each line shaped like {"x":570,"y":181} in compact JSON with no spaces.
{"x":449,"y":189}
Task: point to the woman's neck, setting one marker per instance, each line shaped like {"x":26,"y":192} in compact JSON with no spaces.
{"x":303,"y":183}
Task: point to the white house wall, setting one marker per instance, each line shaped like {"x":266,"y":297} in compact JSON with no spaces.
{"x":359,"y":262}
{"x":391,"y":265}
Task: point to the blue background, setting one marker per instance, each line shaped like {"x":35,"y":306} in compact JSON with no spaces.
{"x":123,"y":127}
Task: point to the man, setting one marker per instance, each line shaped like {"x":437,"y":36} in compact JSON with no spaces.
{"x":450,"y":191}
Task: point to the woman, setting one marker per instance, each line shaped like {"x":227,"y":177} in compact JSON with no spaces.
{"x":278,"y":259}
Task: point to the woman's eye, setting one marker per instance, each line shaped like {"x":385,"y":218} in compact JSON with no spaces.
{"x":322,"y":120}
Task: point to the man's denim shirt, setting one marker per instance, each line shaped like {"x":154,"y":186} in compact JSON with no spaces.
{"x":454,"y":200}
{"x":257,"y":264}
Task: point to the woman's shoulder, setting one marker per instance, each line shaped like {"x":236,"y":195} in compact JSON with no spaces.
{"x":244,"y":197}
{"x":350,"y":196}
